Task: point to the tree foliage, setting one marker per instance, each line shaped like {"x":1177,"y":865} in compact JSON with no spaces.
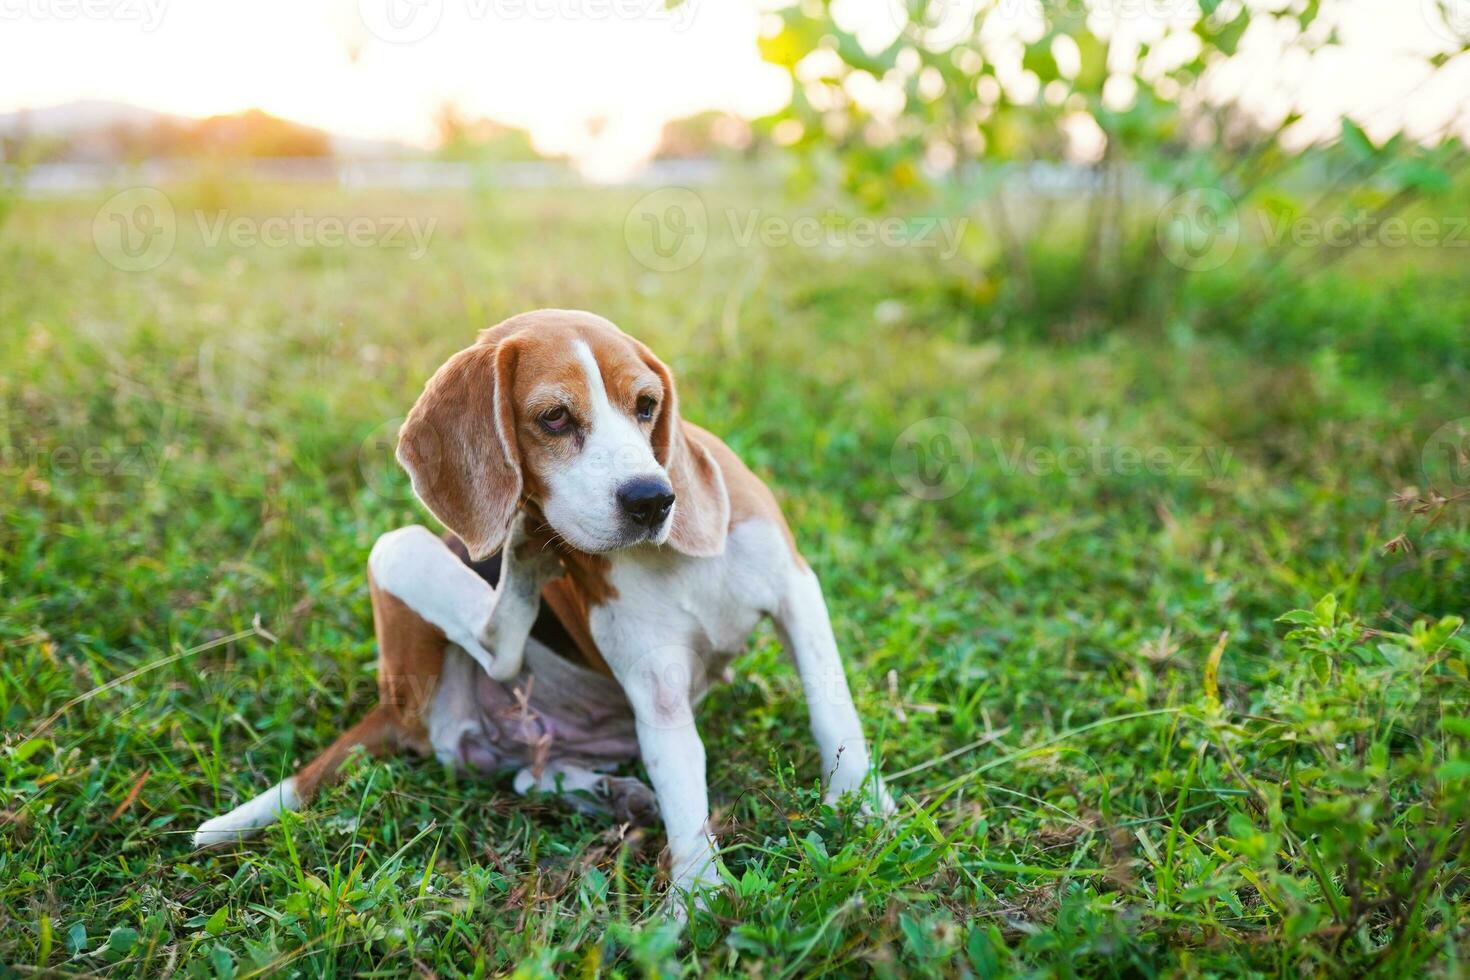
{"x":1105,"y":124}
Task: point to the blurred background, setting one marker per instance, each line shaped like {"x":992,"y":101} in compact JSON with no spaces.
{"x":1082,"y":340}
{"x":1073,"y":161}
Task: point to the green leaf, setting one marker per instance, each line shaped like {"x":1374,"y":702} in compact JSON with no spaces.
{"x":1326,"y":610}
{"x":1322,"y":667}
{"x":1039,"y":59}
{"x":1420,"y":176}
{"x":43,"y":929}
{"x":1454,"y":770}
{"x":218,"y":921}
{"x":1298,"y":617}
{"x":816,"y":850}
{"x":28,"y":748}
{"x":982,"y":947}
{"x":121,"y":940}
{"x":1093,"y":70}
{"x":797,"y":38}
{"x":914,"y":937}
{"x":1357,"y":141}
{"x":223,"y":962}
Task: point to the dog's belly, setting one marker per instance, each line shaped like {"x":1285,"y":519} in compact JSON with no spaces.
{"x":554,"y":710}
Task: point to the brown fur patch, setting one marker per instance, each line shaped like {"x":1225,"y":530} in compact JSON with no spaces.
{"x":749,"y":495}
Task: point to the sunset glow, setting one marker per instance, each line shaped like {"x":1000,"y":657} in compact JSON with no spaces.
{"x":592,"y":79}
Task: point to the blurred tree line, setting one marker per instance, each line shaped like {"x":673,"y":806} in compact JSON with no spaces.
{"x":1099,"y":159}
{"x":252,"y":134}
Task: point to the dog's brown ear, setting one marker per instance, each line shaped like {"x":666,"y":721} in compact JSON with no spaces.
{"x":458,"y":445}
{"x":701,"y":501}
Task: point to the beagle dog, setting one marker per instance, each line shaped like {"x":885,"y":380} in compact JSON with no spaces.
{"x":606,"y":561}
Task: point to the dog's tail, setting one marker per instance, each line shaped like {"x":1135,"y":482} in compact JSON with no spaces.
{"x":378,"y":733}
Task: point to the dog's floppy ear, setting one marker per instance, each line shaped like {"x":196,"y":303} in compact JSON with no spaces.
{"x":702,"y":503}
{"x":459,"y":446}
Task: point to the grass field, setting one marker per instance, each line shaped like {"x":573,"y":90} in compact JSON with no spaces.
{"x":1113,"y":760}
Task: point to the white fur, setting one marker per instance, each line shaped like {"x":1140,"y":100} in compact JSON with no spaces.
{"x":674,"y":624}
{"x":414,"y":565}
{"x":249,"y":817}
{"x":806,"y":631}
{"x":582,"y":504}
{"x":558,"y":777}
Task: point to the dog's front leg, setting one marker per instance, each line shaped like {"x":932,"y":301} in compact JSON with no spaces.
{"x":658,"y":688}
{"x":806,"y":632}
{"x":526,"y":565}
{"x":489,"y":624}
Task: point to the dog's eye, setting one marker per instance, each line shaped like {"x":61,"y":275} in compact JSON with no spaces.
{"x":556,"y":420}
{"x":646,"y":405}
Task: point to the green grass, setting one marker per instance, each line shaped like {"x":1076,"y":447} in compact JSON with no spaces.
{"x":185,"y":617}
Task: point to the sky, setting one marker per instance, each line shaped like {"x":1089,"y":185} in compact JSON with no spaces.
{"x":593,"y":79}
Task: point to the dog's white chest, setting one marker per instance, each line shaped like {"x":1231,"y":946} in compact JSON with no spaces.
{"x":707,"y":605}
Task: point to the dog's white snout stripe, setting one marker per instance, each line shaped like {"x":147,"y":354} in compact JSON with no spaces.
{"x":583,"y":503}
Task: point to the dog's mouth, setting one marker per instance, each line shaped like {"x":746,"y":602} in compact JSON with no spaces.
{"x":580,"y":539}
{"x":638,"y":515}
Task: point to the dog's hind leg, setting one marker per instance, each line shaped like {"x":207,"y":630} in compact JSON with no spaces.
{"x":377,"y":733}
{"x":410,"y":660}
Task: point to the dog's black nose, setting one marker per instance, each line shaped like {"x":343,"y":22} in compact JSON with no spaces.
{"x":647,"y":501}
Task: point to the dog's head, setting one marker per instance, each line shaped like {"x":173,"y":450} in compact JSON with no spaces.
{"x":562,"y":410}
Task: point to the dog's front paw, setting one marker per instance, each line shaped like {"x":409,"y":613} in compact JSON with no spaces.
{"x":691,"y":890}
